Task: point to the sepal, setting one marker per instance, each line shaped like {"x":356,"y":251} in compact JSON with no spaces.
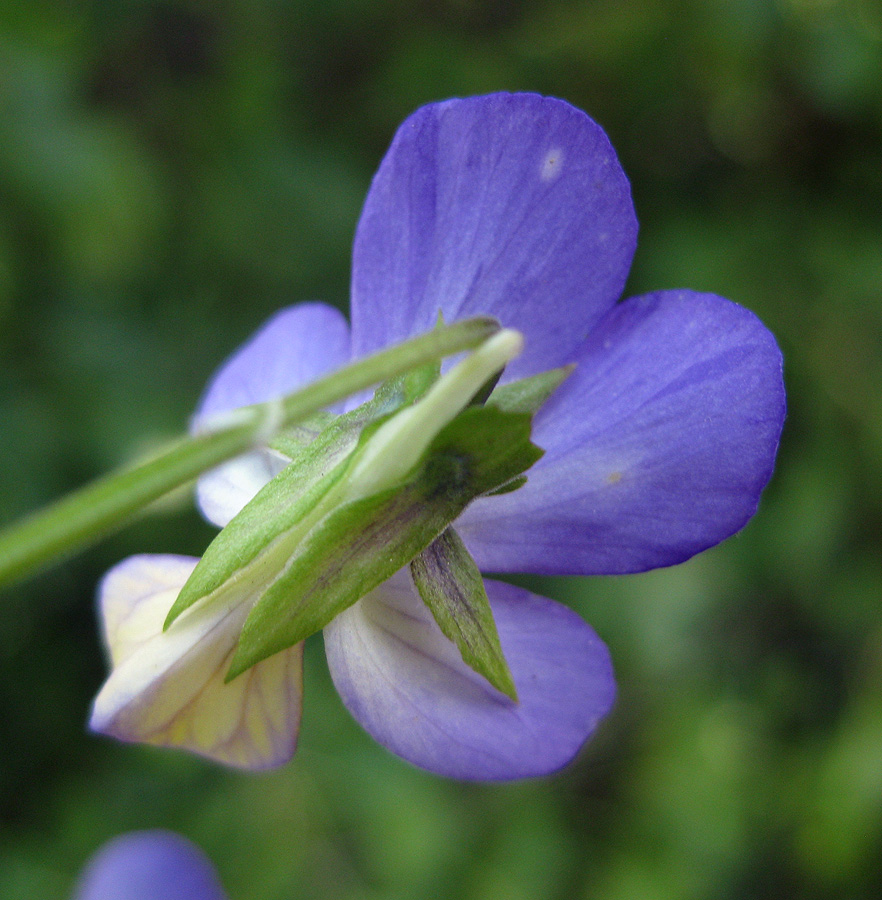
{"x":360,"y":544}
{"x":265,"y":532}
{"x":449,"y":583}
{"x":527,"y":395}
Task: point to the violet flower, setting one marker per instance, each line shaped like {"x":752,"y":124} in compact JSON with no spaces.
{"x":656,"y":447}
{"x":149,"y":865}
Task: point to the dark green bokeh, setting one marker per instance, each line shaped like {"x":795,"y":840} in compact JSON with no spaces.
{"x":172,"y":172}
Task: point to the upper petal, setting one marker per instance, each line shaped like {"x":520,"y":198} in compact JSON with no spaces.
{"x":513,"y":205}
{"x":407,"y":685}
{"x":167,"y":687}
{"x":296,"y":346}
{"x":657,"y":447}
{"x":149,"y":865}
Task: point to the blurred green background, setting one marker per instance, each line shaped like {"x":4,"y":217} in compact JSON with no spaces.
{"x":173,"y":172}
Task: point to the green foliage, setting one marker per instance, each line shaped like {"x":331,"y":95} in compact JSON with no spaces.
{"x":173,"y":172}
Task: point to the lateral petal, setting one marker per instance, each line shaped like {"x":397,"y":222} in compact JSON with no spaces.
{"x":657,"y":447}
{"x":296,"y":346}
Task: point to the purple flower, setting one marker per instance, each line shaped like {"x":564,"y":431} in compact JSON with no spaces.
{"x":656,"y":447}
{"x":149,"y":865}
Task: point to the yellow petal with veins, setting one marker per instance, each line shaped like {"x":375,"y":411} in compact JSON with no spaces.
{"x":167,"y":688}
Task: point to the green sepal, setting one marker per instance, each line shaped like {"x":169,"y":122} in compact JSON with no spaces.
{"x":451,"y":586}
{"x":292,"y":441}
{"x":509,"y":486}
{"x":253,"y":545}
{"x":526,"y":395}
{"x":359,"y":544}
{"x":417,"y":382}
{"x":396,"y":393}
{"x":486,"y":390}
{"x":258,"y":540}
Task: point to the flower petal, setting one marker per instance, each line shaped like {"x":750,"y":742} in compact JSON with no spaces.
{"x":296,"y":346}
{"x":223,"y":492}
{"x":512,"y":205}
{"x":149,"y":865}
{"x":657,"y":447}
{"x":167,"y":688}
{"x":407,"y":685}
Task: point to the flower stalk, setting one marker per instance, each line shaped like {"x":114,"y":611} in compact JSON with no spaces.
{"x":102,"y":507}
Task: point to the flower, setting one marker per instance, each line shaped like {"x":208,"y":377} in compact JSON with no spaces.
{"x":656,"y":447}
{"x":149,"y":865}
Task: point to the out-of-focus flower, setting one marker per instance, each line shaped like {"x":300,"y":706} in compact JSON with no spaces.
{"x":149,"y":865}
{"x":656,"y":446}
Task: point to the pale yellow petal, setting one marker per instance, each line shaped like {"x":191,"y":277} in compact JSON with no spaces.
{"x":167,"y":688}
{"x":135,"y":597}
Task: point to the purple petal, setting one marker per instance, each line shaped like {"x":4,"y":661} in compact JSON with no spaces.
{"x":149,"y":865}
{"x":296,"y":346}
{"x":407,"y":685}
{"x":658,"y":446}
{"x":512,"y":205}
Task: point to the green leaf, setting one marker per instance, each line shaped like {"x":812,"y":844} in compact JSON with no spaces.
{"x":360,"y":544}
{"x":526,"y":395}
{"x":450,"y":584}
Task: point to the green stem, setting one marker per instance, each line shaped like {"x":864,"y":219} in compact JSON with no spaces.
{"x":96,"y":510}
